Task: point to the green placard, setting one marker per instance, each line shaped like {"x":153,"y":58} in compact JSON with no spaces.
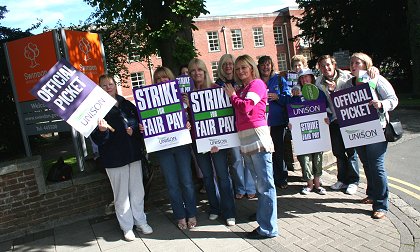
{"x":310,"y":92}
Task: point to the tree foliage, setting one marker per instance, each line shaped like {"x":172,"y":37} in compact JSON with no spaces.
{"x":375,"y":27}
{"x":163,"y":27}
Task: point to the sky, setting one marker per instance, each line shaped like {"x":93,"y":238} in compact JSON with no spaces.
{"x":23,"y":13}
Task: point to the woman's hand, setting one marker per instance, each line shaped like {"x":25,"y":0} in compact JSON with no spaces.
{"x":296,"y":92}
{"x":214,"y":149}
{"x":185,"y":99}
{"x":188,"y":125}
{"x":129,"y":131}
{"x":272,"y":96}
{"x":141,"y":128}
{"x":376,"y":104}
{"x":229,"y":89}
{"x":327,"y":121}
{"x":373,"y":72}
{"x":102,"y":125}
{"x":289,"y":125}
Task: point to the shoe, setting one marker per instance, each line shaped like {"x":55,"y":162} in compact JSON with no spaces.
{"x":254,"y":235}
{"x":378,"y":215}
{"x":182,"y":224}
{"x":213,"y":216}
{"x":250,"y":195}
{"x":306,"y":190}
{"x":351,"y":189}
{"x":253,"y":217}
{"x":338,"y":185}
{"x":110,"y":209}
{"x":192,"y":222}
{"x":230,"y":222}
{"x":239,"y":196}
{"x":129,"y":235}
{"x":203,"y":190}
{"x":145,"y":229}
{"x":321,"y":190}
{"x":366,"y":201}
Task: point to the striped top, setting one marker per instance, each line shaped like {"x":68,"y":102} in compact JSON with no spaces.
{"x":256,"y":140}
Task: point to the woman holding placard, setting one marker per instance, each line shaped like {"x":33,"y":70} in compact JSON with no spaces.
{"x":118,"y":140}
{"x":214,"y":158}
{"x":175,"y":164}
{"x":256,"y":143}
{"x":373,"y":155}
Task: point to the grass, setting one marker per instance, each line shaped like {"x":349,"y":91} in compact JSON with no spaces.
{"x":70,"y":160}
{"x":408,"y":101}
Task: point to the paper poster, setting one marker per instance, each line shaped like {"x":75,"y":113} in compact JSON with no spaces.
{"x":73,"y":96}
{"x":359,"y":122}
{"x":162,"y":115}
{"x":186,"y":83}
{"x":213,"y":119}
{"x":310,"y":132}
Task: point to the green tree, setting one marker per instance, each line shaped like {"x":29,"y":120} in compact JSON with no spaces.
{"x":146,"y":27}
{"x":10,"y":137}
{"x":375,"y":27}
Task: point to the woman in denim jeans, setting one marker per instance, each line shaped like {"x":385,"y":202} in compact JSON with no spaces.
{"x":175,"y":164}
{"x":373,"y":155}
{"x":256,"y":143}
{"x":214,"y":162}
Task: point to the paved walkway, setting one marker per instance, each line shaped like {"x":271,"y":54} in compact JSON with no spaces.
{"x":332,"y":222}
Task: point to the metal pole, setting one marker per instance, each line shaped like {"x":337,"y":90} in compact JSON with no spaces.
{"x":287,"y":44}
{"x":224,"y":39}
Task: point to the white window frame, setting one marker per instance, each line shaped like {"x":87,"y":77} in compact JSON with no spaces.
{"x":214,"y":66}
{"x":237,"y":41}
{"x":282,"y":62}
{"x":137,"y":79}
{"x":258,"y":35}
{"x":213,"y":41}
{"x":278,"y":35}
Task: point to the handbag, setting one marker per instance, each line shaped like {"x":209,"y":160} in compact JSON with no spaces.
{"x":393,"y":131}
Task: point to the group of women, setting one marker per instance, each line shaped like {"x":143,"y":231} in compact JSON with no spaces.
{"x":258,"y":164}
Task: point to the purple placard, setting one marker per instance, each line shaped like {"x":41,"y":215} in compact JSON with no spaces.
{"x":305,"y":108}
{"x":352,"y":105}
{"x":186,"y":83}
{"x":63,"y":89}
{"x":160,"y":108}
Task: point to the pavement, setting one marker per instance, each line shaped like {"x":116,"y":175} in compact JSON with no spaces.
{"x":332,"y":222}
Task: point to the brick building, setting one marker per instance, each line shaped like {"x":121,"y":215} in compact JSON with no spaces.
{"x":254,"y":34}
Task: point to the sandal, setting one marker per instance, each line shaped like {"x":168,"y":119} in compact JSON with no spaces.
{"x":192,"y":222}
{"x":250,"y":195}
{"x":239,"y":196}
{"x":366,"y":201}
{"x":182,"y":224}
{"x":378,"y":215}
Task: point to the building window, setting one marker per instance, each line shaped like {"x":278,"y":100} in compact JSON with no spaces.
{"x":214,"y":65}
{"x":237,"y":39}
{"x":258,"y":36}
{"x":133,"y":55}
{"x":213,"y":40}
{"x":278,"y":35}
{"x":282,"y":63}
{"x":137,"y":79}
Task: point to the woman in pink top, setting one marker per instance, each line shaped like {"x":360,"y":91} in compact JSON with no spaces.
{"x":256,"y":143}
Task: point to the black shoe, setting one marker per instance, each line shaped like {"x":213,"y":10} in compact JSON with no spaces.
{"x":253,"y":217}
{"x":254,"y":235}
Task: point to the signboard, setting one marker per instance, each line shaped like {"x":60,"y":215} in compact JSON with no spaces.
{"x":84,"y":51}
{"x":291,"y":79}
{"x":343,"y":59}
{"x":186,"y":83}
{"x":162,"y":116}
{"x":30,"y":58}
{"x":359,"y":122}
{"x":310,"y":132}
{"x":213,"y":119}
{"x":73,"y":96}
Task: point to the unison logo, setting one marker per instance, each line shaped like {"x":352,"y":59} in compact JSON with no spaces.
{"x":167,"y":140}
{"x":217,"y":141}
{"x":361,"y":134}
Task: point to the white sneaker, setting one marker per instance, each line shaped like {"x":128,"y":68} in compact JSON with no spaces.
{"x":351,"y":189}
{"x":213,"y":216}
{"x":338,"y":185}
{"x":145,"y":229}
{"x":231,"y":222}
{"x":129,"y":235}
{"x":320,"y":190}
{"x":306,"y":190}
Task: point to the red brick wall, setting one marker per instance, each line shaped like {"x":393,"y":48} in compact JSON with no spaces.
{"x":24,"y":209}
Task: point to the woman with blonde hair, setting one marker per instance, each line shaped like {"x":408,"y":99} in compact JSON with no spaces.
{"x":256,"y":143}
